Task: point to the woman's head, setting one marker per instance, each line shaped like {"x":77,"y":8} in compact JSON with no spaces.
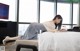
{"x":57,"y":19}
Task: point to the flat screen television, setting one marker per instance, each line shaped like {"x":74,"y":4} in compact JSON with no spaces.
{"x":4,"y":11}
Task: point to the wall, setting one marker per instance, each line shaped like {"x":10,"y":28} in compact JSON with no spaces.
{"x":12,"y":8}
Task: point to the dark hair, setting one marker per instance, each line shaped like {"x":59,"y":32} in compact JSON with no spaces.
{"x":57,"y":16}
{"x":59,"y":24}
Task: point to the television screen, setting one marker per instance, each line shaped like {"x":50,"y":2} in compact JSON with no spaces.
{"x":4,"y":11}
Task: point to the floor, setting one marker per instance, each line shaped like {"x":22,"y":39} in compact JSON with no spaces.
{"x":12,"y":47}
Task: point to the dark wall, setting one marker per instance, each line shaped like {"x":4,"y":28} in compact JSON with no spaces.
{"x":7,"y":28}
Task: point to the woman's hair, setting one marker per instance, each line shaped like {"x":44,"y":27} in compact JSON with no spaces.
{"x":57,"y":16}
{"x":59,"y":24}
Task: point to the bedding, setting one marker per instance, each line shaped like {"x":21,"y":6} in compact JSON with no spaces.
{"x":59,"y":41}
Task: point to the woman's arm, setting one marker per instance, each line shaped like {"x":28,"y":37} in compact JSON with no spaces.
{"x":55,"y":30}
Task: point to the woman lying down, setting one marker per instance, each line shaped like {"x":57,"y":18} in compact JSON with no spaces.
{"x":34,"y":29}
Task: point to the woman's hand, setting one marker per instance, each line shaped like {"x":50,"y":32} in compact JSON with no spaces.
{"x":55,"y":30}
{"x":62,"y":30}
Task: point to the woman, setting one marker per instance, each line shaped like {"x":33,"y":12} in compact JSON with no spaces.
{"x":34,"y":29}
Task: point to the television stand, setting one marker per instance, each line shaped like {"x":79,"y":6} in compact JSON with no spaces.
{"x":8,"y":28}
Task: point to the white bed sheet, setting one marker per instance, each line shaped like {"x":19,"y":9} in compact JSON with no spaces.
{"x":59,"y":41}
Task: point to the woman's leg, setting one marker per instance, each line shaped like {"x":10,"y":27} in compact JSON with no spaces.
{"x":33,"y":30}
{"x":7,"y":38}
{"x":12,"y":38}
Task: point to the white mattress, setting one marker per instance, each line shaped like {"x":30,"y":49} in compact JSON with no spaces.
{"x":59,"y":41}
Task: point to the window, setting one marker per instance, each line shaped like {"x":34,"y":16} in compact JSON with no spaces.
{"x":22,"y":28}
{"x":64,"y":10}
{"x":46,"y":11}
{"x":12,"y":8}
{"x":75,"y":13}
{"x":28,"y":11}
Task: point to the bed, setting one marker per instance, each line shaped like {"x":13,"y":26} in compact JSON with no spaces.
{"x":59,"y":41}
{"x":28,"y":44}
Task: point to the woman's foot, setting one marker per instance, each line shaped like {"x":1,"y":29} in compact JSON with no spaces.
{"x":6,"y":39}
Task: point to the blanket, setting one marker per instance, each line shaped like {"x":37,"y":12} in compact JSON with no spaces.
{"x":59,"y":41}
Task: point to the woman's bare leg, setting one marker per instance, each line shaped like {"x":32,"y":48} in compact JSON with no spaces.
{"x":12,"y":38}
{"x":7,"y":38}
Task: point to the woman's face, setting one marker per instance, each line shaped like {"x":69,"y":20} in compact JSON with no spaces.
{"x":58,"y":20}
